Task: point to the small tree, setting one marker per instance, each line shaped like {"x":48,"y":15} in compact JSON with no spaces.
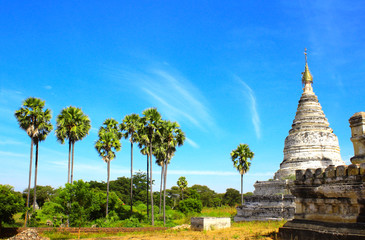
{"x":183,"y":184}
{"x":240,"y":157}
{"x":11,"y":203}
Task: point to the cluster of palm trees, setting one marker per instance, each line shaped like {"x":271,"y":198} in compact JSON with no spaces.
{"x":155,"y":137}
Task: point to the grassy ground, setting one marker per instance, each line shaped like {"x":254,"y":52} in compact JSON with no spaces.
{"x":244,"y":230}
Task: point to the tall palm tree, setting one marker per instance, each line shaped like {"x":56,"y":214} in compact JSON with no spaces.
{"x":109,"y":141}
{"x":29,"y":118}
{"x":160,"y":155}
{"x":74,"y":125}
{"x":173,"y":136}
{"x":240,"y":157}
{"x":151,"y":121}
{"x":45,"y":127}
{"x":130,"y":125}
{"x":144,"y":151}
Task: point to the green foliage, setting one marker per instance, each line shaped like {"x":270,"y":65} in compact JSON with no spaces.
{"x":44,"y":193}
{"x":72,"y":124}
{"x":190,"y":205}
{"x":206,"y":195}
{"x":232,"y":197}
{"x":182,"y":183}
{"x":11,"y":203}
{"x":240,"y":157}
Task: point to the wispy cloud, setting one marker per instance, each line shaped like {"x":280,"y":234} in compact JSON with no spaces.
{"x":216,"y":173}
{"x":192,"y":143}
{"x":48,"y":87}
{"x":12,"y":154}
{"x":174,"y":95}
{"x":250,"y":95}
{"x":11,"y":142}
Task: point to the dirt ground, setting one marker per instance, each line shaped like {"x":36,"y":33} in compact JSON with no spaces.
{"x":223,"y":234}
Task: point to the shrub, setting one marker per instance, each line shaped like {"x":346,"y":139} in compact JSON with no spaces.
{"x":190,"y":205}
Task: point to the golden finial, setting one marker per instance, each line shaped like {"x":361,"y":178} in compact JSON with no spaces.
{"x":307,"y":76}
{"x":305,"y":53}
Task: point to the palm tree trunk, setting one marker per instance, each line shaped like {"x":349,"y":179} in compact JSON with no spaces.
{"x":241,"y":189}
{"x":72,"y":164}
{"x":69,"y":161}
{"x":162,"y":174}
{"x":148,"y":212}
{"x":131,"y":175}
{"x":164,"y":195}
{"x":35,"y":176}
{"x":107,"y":190}
{"x":30,"y":179}
{"x":152,"y":212}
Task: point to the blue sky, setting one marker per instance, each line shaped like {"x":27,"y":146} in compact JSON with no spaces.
{"x":228,"y":72}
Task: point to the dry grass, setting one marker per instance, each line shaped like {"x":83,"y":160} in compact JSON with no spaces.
{"x":247,"y":230}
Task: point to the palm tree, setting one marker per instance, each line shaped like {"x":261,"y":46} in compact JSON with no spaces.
{"x":173,"y":136}
{"x":45,"y":127}
{"x":109,"y":140}
{"x":240,"y":157}
{"x":29,"y":118}
{"x":151,"y":121}
{"x":130,"y":125}
{"x":74,"y":125}
{"x":182,"y":184}
{"x":144,"y":151}
{"x":160,"y":155}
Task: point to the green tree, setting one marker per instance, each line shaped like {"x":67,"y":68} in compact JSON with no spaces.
{"x":130,"y":125}
{"x":151,"y":121}
{"x":109,"y":141}
{"x":73,"y":125}
{"x":44,"y":194}
{"x":190,"y":205}
{"x":206,"y":194}
{"x":30,"y":118}
{"x":240,"y":157}
{"x":182,"y":183}
{"x":231,"y":197}
{"x":11,"y":203}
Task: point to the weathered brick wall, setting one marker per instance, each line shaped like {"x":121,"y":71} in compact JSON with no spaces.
{"x":334,"y":194}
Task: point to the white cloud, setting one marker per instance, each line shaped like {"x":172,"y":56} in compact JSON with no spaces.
{"x":48,"y":87}
{"x":215,"y":173}
{"x":12,"y":154}
{"x":174,"y":96}
{"x":192,"y":143}
{"x":249,"y":93}
{"x":10,"y":142}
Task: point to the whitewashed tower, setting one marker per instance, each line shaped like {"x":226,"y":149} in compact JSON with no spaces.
{"x":311,"y":143}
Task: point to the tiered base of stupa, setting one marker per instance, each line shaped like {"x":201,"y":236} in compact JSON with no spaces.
{"x":269,"y":202}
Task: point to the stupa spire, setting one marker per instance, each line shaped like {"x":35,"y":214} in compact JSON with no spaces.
{"x":307,"y":79}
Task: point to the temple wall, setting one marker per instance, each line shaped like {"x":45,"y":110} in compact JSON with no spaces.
{"x":334,"y":194}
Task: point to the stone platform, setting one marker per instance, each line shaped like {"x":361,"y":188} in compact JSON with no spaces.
{"x":209,"y":223}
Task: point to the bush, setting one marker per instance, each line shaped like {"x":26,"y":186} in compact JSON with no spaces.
{"x":131,"y":222}
{"x":190,"y":205}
